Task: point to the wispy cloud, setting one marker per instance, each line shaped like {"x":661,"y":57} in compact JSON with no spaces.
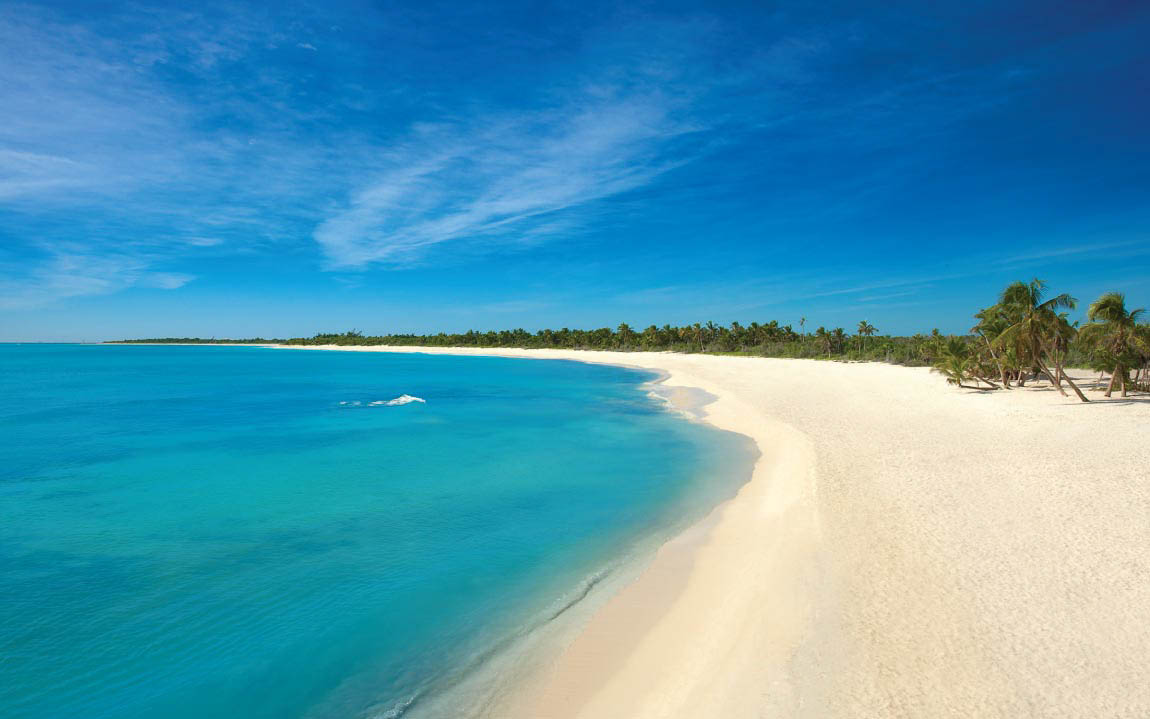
{"x":236,"y":156}
{"x":636,"y":102}
{"x":136,"y":140}
{"x":1111,"y":249}
{"x":93,"y":130}
{"x":504,"y":178}
{"x":869,"y":299}
{"x":71,"y":274}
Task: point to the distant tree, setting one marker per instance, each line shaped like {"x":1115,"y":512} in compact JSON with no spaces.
{"x":823,"y":338}
{"x":839,"y":340}
{"x":626,"y":335}
{"x":865,"y":329}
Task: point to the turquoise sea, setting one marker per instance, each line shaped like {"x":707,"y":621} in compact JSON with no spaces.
{"x":238,"y":532}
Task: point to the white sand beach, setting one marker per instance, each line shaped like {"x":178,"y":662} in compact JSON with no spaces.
{"x":903,"y":549}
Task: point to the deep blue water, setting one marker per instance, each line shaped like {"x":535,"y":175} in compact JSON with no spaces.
{"x":221,"y":532}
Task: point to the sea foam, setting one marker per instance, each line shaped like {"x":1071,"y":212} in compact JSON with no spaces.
{"x":401,"y":399}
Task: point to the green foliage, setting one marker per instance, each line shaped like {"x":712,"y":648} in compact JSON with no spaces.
{"x":768,"y":339}
{"x":1026,"y":337}
{"x":1116,"y":341}
{"x":198,"y":341}
{"x":1021,"y":338}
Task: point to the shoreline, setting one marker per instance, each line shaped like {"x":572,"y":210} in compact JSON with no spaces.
{"x":586,"y":676}
{"x":875,"y":563}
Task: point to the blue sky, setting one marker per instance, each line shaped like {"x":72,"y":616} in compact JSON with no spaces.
{"x":282,"y":169}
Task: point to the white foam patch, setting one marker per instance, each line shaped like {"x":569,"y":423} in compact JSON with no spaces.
{"x":401,"y":399}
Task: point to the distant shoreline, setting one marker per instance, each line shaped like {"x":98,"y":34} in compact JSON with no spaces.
{"x":892,"y":555}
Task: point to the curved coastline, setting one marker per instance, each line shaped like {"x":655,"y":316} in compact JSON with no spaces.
{"x":902,"y":549}
{"x":654,"y":619}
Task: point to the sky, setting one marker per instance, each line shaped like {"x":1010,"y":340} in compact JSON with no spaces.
{"x":281,"y":169}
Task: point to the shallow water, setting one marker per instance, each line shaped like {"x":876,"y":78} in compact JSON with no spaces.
{"x":240,"y":532}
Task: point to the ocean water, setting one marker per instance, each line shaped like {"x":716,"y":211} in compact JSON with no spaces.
{"x":243,"y":532}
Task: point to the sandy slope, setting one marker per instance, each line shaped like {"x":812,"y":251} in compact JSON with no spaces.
{"x":904,"y":549}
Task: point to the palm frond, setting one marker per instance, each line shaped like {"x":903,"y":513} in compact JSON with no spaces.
{"x":1110,"y":307}
{"x":1062,"y":301}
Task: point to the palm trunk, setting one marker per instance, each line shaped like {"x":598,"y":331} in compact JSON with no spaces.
{"x":994,"y":356}
{"x":992,"y":384}
{"x":1113,"y":379}
{"x":1072,"y":386}
{"x":1050,"y":375}
{"x":1122,"y":379}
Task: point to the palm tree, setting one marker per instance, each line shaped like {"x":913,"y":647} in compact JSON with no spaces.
{"x":1064,"y":334}
{"x":650,"y":337}
{"x":1035,"y":323}
{"x":865,"y":329}
{"x":954,"y":363}
{"x":992,"y":321}
{"x":738,"y":334}
{"x":626,"y":334}
{"x":1114,"y":330}
{"x":839,"y":340}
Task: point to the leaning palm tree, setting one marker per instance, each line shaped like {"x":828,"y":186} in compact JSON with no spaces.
{"x":1035,"y":325}
{"x":991,"y":323}
{"x":1114,"y":330}
{"x":955,"y":364}
{"x":954,"y":369}
{"x":1063,"y":334}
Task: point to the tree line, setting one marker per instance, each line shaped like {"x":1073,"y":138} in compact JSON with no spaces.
{"x":198,"y":341}
{"x":768,"y":340}
{"x":1025,"y":336}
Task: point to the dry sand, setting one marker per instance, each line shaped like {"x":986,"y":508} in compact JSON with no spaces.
{"x":903,"y":549}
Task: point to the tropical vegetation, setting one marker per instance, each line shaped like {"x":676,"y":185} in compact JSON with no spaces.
{"x":1025,"y":337}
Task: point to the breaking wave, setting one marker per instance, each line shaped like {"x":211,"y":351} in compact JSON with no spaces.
{"x":401,"y":399}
